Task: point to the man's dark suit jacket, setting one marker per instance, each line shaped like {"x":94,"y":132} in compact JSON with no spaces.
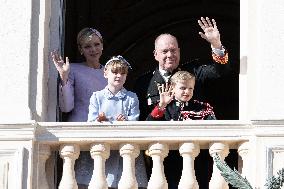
{"x":146,"y":85}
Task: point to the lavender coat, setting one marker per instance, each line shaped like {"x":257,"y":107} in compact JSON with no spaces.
{"x":74,"y":97}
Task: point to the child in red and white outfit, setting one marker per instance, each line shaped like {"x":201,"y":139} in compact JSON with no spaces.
{"x":176,"y":101}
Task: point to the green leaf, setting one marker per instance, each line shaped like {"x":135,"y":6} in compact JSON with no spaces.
{"x":276,"y":182}
{"x":231,"y":176}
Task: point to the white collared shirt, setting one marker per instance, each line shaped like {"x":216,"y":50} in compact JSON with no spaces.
{"x":165,"y":74}
{"x":219,"y":52}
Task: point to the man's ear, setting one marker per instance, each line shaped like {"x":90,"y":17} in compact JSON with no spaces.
{"x":155,"y":54}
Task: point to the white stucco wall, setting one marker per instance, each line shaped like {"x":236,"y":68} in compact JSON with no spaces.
{"x":265,"y":59}
{"x":24,"y":70}
{"x":56,"y":42}
{"x":15,"y":44}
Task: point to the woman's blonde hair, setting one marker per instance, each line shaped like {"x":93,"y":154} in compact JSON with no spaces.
{"x":87,"y":33}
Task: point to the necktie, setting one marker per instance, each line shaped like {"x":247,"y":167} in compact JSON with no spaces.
{"x":167,"y":74}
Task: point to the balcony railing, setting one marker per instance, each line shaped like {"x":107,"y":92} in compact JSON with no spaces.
{"x":157,"y":138}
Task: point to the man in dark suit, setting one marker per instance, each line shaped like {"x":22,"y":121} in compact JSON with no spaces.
{"x":167,"y":54}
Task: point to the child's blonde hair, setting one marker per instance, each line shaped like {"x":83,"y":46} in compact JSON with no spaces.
{"x":118,"y":64}
{"x":181,"y":76}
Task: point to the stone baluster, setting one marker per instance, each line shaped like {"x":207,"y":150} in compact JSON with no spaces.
{"x":128,"y":152}
{"x":69,"y":153}
{"x":243,"y":151}
{"x":99,"y":152}
{"x":217,"y":181}
{"x":43,"y":154}
{"x":158,"y":152}
{"x":188,"y":151}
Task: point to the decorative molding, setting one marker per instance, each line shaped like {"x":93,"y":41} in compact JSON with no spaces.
{"x":272,"y":154}
{"x":269,"y":128}
{"x":13,"y":167}
{"x":17,"y":131}
{"x":4,"y":170}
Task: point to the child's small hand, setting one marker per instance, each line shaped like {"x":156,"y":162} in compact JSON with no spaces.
{"x":166,"y":94}
{"x":121,"y":117}
{"x":102,"y":117}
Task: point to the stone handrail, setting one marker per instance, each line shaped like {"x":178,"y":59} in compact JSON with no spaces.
{"x":131,"y":137}
{"x":157,"y":138}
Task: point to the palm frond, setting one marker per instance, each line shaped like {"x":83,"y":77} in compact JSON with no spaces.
{"x":276,"y":182}
{"x":231,"y":176}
